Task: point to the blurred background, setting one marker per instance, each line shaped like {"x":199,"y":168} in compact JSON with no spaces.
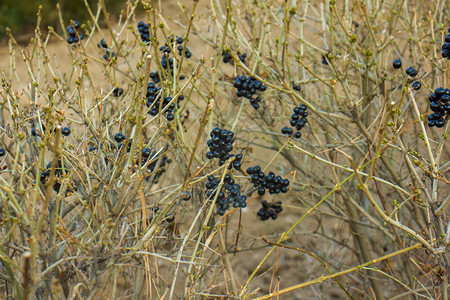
{"x":21,"y":15}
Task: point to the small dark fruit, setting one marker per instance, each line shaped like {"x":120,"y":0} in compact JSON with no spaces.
{"x":439,"y":92}
{"x":296,"y":87}
{"x":397,"y":64}
{"x":416,"y":85}
{"x":65,"y":131}
{"x":146,"y":152}
{"x":439,"y":122}
{"x":447,"y":38}
{"x":119,"y":137}
{"x":186,"y":196}
{"x":170,"y":218}
{"x":411,"y":72}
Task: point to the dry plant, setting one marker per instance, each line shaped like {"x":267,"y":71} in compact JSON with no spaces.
{"x":366,"y":212}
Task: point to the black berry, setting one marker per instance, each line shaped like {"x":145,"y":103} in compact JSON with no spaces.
{"x":119,"y":137}
{"x":65,"y":131}
{"x":228,"y":195}
{"x":144,"y":31}
{"x":411,"y":72}
{"x":170,"y":218}
{"x":447,"y":38}
{"x":117,"y":92}
{"x":397,"y":64}
{"x":269,"y":210}
{"x":102,"y":44}
{"x":416,"y":85}
{"x":440,"y":105}
{"x":248,"y":87}
{"x":296,"y":87}
{"x":297,"y":122}
{"x":186,"y":196}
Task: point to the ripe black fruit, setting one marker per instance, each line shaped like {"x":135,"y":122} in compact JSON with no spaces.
{"x":298,"y":121}
{"x":220,"y":145}
{"x":440,"y":105}
{"x":144,"y":31}
{"x":228,"y":195}
{"x":119,"y":137}
{"x":247,"y":87}
{"x":416,"y":85}
{"x":146,"y":152}
{"x":102,"y":44}
{"x":296,"y":87}
{"x":170,"y":218}
{"x":186,"y":196}
{"x":65,"y":131}
{"x":117,"y":92}
{"x":269,"y":210}
{"x":275,"y":184}
{"x":411,"y":72}
{"x":74,"y":35}
{"x":397,"y":64}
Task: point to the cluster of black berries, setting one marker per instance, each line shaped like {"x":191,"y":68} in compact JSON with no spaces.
{"x":155,"y":77}
{"x":120,"y":138}
{"x":269,"y":210}
{"x":220,"y":145}
{"x":397,"y":64}
{"x":275,"y":184}
{"x":247,"y":87}
{"x":74,"y":37}
{"x":440,"y":105}
{"x":296,"y":87}
{"x":155,"y":101}
{"x":117,"y":92}
{"x":166,"y":61}
{"x":179,"y":41}
{"x":446,"y":46}
{"x":59,"y":171}
{"x":2,"y":152}
{"x":109,"y":54}
{"x":298,"y":121}
{"x":152,"y":156}
{"x":226,"y":57}
{"x":229,"y":194}
{"x":144,"y":31}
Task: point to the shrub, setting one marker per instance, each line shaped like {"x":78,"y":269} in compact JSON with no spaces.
{"x":20,"y":15}
{"x":159,"y":157}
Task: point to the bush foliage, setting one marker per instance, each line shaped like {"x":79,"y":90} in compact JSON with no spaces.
{"x":155,"y":157}
{"x":20,"y":15}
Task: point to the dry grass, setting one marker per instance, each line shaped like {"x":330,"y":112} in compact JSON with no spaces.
{"x":366,"y":214}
